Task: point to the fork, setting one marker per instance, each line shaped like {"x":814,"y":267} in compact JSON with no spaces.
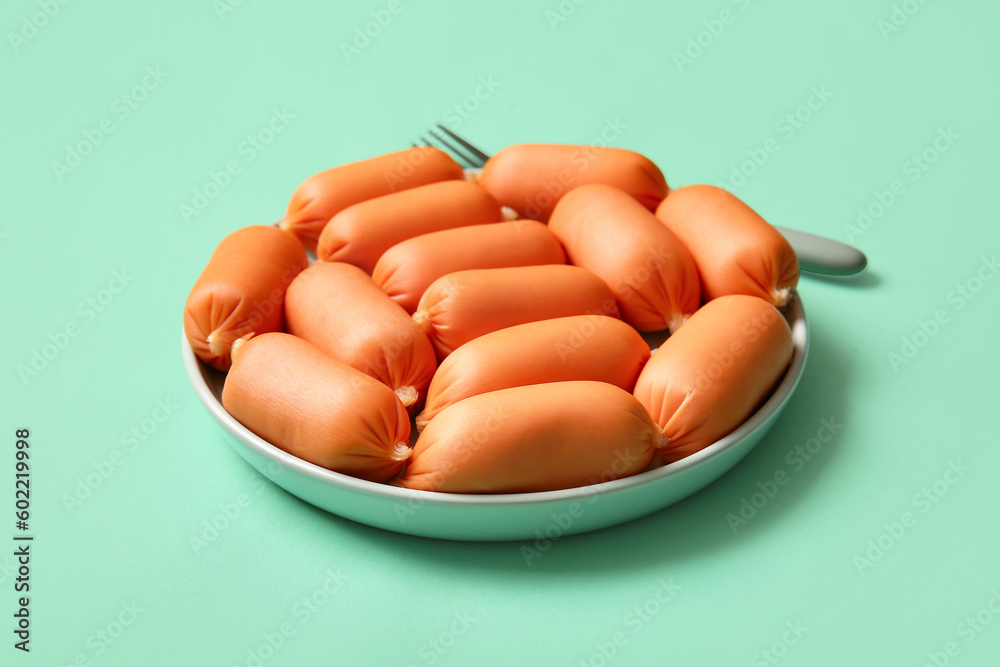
{"x":816,"y":254}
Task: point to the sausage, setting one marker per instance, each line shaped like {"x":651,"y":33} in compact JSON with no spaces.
{"x":407,"y":269}
{"x":651,"y":272}
{"x":530,"y":178}
{"x":360,"y":234}
{"x":325,"y":194}
{"x":467,"y":304}
{"x":736,"y":250}
{"x":583,"y":347}
{"x":710,"y":376}
{"x":338,"y":308}
{"x":541,"y":437}
{"x":317,"y":408}
{"x":241,"y":291}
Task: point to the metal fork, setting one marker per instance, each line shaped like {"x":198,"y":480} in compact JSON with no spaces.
{"x":816,"y":254}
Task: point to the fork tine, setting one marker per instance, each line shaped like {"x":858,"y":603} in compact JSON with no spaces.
{"x":425,"y":141}
{"x":480,"y":156}
{"x":455,"y":149}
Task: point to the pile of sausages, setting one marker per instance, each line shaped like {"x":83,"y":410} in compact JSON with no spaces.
{"x":497,"y":313}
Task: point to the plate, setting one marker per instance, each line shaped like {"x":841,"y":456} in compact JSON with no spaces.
{"x":501,"y":517}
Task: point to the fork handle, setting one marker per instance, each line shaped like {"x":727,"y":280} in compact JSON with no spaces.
{"x":818,"y":254}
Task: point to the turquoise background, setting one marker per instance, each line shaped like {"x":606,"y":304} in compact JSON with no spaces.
{"x":397,"y":600}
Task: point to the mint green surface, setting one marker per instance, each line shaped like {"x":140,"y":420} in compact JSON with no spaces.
{"x":685,"y":586}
